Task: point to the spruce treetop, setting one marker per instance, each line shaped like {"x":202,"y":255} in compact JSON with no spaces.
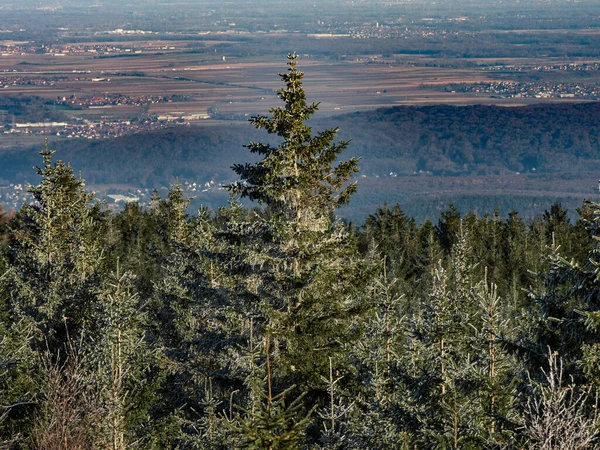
{"x":294,"y":263}
{"x":59,"y":190}
{"x":297,"y":178}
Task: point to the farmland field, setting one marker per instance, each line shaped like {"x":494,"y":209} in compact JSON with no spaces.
{"x":242,"y":86}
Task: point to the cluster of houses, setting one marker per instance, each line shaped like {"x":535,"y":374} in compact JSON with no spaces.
{"x":91,"y":130}
{"x":530,"y":89}
{"x":18,"y":48}
{"x":565,"y":67}
{"x":111,"y":100}
{"x":14,"y":195}
{"x":11,"y":80}
{"x":399,"y":30}
{"x":25,"y":48}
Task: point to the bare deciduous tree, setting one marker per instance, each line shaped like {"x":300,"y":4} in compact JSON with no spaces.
{"x":557,"y":416}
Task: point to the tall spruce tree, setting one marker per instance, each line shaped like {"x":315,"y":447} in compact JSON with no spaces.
{"x":125,"y":373}
{"x":186,"y":312}
{"x":374,"y":419}
{"x":495,"y":372}
{"x":51,"y":283}
{"x":55,"y":257}
{"x":296,"y":266}
{"x":566,"y":313}
{"x":439,"y":375}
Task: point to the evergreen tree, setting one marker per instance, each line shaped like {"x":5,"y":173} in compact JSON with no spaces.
{"x":51,"y":283}
{"x":201,"y":336}
{"x":513,"y":267}
{"x":5,"y":218}
{"x":558,"y":414}
{"x":567,"y":309}
{"x":134,"y":240}
{"x":180,"y":314}
{"x":372,"y":419}
{"x":297,"y":267}
{"x":55,"y":257}
{"x":448,"y":227}
{"x":125,"y":371}
{"x":440,"y":376}
{"x":273,"y":422}
{"x":495,"y":373}
{"x":17,"y":386}
{"x":393,"y":236}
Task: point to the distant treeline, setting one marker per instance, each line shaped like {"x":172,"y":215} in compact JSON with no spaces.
{"x":146,"y":159}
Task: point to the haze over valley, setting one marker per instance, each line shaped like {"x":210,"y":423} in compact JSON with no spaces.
{"x":115,"y":87}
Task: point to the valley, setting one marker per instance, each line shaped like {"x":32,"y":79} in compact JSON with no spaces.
{"x":94,"y":76}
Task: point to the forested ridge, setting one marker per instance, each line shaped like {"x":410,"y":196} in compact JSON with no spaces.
{"x":282,"y":327}
{"x":440,"y":139}
{"x":452,"y":140}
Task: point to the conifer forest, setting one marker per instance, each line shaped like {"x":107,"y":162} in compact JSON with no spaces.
{"x":270,"y":323}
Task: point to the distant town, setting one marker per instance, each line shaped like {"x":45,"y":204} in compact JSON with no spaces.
{"x":529,"y":89}
{"x":95,"y":130}
{"x":14,"y":195}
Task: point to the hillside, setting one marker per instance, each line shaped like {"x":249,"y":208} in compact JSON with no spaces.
{"x":451,"y":140}
{"x":444,"y":143}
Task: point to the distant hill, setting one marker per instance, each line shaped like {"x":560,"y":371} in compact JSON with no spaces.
{"x":150,"y":159}
{"x":438,"y":140}
{"x":464,"y":140}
